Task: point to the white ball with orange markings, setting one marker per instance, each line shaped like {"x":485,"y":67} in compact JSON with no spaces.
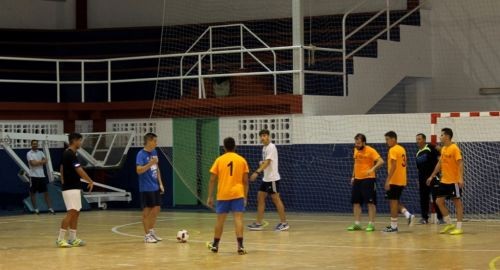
{"x":182,"y":236}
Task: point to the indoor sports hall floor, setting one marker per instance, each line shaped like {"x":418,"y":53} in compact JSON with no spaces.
{"x":315,"y":241}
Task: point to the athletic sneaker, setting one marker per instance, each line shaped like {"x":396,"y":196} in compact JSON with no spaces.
{"x":51,"y":211}
{"x":370,"y":227}
{"x":214,"y":248}
{"x":154,"y":235}
{"x":411,"y":220}
{"x":423,"y":221}
{"x":76,"y":242}
{"x":62,"y":244}
{"x":242,"y":251}
{"x":440,"y":222}
{"x":354,"y":227}
{"x":149,"y":239}
{"x":456,"y":232}
{"x":390,"y":229}
{"x":255,"y":227}
{"x":447,"y":228}
{"x":37,"y":211}
{"x":282,"y":227}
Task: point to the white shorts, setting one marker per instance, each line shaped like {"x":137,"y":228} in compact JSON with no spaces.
{"x":72,"y":199}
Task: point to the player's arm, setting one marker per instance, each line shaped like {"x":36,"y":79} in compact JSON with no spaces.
{"x":160,"y":181}
{"x":352,"y":177}
{"x":85,"y":176}
{"x":245,"y":186}
{"x":62,"y":173}
{"x":434,"y":173}
{"x":460,"y":173}
{"x":211,"y":187}
{"x":378,"y":163}
{"x":259,"y":170}
{"x":140,"y":169}
{"x":390,"y":174}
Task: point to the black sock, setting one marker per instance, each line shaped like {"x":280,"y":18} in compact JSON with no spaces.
{"x":216,"y":242}
{"x":240,"y":241}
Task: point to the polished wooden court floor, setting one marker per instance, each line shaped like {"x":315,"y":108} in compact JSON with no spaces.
{"x":315,"y":241}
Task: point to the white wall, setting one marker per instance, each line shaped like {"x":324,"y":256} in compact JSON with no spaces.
{"x":51,"y":14}
{"x":465,"y":54}
{"x":37,"y":14}
{"x":334,"y":129}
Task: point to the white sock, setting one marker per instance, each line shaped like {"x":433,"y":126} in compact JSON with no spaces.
{"x":356,"y":222}
{"x":406,"y":213}
{"x":459,"y":225}
{"x":394,"y":223}
{"x":447,"y":219}
{"x":72,"y":235}
{"x":62,"y":234}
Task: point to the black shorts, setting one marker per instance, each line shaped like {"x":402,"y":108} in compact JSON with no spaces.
{"x":150,"y":199}
{"x":269,"y":187}
{"x":449,"y":191}
{"x":394,"y":192}
{"x":363,"y":191}
{"x":38,"y":184}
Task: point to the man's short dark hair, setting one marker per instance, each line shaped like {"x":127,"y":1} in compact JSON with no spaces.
{"x":423,"y":136}
{"x":264,"y":131}
{"x":391,"y":134}
{"x":447,"y":131}
{"x":229,"y":144}
{"x":73,"y":137}
{"x":361,"y":137}
{"x":32,"y":141}
{"x":149,"y":137}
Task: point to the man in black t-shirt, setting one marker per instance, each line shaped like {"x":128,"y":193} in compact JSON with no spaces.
{"x":71,"y":173}
{"x":427,"y":158}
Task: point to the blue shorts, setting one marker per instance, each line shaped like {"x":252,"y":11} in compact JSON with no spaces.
{"x":226,"y":206}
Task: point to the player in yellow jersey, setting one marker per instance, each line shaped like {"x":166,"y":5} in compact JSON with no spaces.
{"x":230,"y":173}
{"x":366,"y":161}
{"x":396,"y":180}
{"x":452,"y":181}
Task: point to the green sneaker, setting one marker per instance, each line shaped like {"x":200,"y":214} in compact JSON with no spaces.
{"x":370,"y":228}
{"x":354,"y":227}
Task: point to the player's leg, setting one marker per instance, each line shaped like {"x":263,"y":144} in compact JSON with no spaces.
{"x":33,"y":189}
{"x":424,"y":191}
{"x":74,"y":212}
{"x":46,"y":197}
{"x":222,"y":209}
{"x":393,"y":195}
{"x":280,"y":207}
{"x":153,"y":215}
{"x":434,"y":193}
{"x":238,"y":208}
{"x":445,"y":191}
{"x":459,"y":210}
{"x":370,"y":196}
{"x":409,"y":217}
{"x":145,"y":219}
{"x":261,"y":206}
{"x":356,"y":200}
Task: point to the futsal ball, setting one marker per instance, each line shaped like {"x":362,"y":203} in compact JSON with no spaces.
{"x":182,"y":236}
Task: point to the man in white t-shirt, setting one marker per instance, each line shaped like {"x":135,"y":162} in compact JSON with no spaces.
{"x":38,"y":184}
{"x":270,"y":181}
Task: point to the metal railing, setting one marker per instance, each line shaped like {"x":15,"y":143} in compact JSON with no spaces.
{"x":213,"y":50}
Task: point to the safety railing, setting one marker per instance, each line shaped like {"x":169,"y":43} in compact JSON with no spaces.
{"x":214,"y":50}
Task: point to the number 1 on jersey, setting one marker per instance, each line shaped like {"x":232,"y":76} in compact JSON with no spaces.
{"x":230,"y":165}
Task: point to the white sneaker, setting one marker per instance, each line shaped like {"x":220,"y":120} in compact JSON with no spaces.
{"x":149,"y":239}
{"x":153,"y":234}
{"x":51,"y":211}
{"x":37,"y":212}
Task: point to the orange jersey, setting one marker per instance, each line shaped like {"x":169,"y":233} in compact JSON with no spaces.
{"x":397,"y":153}
{"x":363,"y":161}
{"x":230,"y":169}
{"x":450,"y":155}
